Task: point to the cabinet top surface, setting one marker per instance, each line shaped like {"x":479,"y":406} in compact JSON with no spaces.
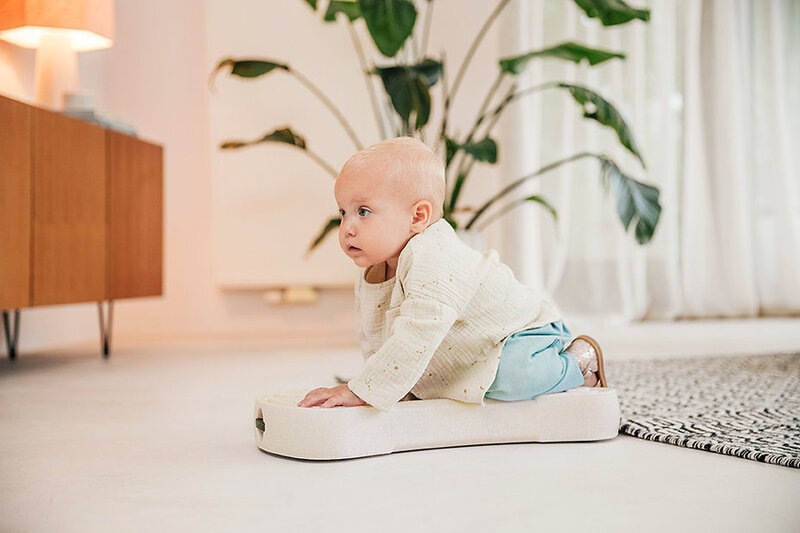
{"x":67,"y":117}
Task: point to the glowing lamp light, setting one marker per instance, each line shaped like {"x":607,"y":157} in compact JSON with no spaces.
{"x":80,"y":40}
{"x":57,"y":29}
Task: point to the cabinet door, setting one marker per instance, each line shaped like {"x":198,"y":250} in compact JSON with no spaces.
{"x":135,"y":217}
{"x":15,"y":204}
{"x":69,"y":210}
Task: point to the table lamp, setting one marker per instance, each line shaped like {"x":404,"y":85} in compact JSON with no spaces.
{"x":57,"y":29}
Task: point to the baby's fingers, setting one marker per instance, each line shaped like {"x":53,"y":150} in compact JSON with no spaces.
{"x":309,"y":401}
{"x":313,"y":398}
{"x":333,"y":401}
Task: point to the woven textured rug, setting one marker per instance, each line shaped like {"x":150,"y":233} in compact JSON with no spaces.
{"x":745,"y":406}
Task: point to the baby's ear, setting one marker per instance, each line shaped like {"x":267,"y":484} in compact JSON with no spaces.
{"x":423,"y":210}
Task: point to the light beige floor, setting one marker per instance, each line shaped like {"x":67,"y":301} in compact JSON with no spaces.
{"x":159,"y":438}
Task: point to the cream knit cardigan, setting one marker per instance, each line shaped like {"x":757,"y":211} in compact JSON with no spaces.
{"x":437,"y":328}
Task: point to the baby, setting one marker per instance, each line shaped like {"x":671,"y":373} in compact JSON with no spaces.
{"x":438,"y":319}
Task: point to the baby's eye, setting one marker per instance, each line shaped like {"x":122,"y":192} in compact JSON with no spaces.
{"x":341,"y":212}
{"x":363,"y":212}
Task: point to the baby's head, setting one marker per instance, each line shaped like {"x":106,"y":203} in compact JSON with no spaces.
{"x":387,"y":193}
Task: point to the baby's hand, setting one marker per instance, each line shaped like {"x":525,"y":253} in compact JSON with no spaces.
{"x":339,"y":395}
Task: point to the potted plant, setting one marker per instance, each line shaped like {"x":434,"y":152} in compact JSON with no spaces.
{"x":408,"y":96}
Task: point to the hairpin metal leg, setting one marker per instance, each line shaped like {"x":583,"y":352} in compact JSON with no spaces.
{"x":11,"y":338}
{"x":105,"y":327}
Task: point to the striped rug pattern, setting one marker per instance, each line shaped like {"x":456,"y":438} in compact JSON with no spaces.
{"x":745,"y":406}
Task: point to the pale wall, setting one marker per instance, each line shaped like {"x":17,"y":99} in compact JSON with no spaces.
{"x":155,"y":77}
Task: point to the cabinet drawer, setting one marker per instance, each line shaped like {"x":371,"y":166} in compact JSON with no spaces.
{"x":135,"y":217}
{"x":15,"y":204}
{"x":69,"y":210}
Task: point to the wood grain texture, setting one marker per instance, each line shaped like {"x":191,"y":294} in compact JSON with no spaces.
{"x":69,"y":210}
{"x":135,"y":217}
{"x":15,"y":204}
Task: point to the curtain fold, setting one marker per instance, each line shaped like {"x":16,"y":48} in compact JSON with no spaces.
{"x":718,"y":263}
{"x":705,"y":88}
{"x":778,"y":43}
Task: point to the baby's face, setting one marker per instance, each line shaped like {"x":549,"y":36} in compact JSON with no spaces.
{"x":376,"y":216}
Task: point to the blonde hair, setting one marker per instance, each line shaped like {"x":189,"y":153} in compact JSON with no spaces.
{"x":411,"y":163}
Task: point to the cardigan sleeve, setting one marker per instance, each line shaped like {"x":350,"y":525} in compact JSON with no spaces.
{"x":362,"y":340}
{"x":436,"y":291}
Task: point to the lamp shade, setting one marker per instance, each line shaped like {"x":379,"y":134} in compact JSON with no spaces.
{"x":89,"y":24}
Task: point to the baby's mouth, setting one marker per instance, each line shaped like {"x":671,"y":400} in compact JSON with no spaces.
{"x":353,"y":249}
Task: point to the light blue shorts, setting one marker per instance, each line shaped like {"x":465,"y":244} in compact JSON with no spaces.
{"x":532,"y":364}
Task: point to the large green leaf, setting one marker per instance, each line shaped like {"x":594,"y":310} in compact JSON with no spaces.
{"x":390,"y":23}
{"x":612,"y":12}
{"x":429,"y":70}
{"x":408,"y":88}
{"x":329,"y":226}
{"x":484,"y":150}
{"x":285,"y":135}
{"x":570,"y":51}
{"x":351,"y":9}
{"x":598,"y":108}
{"x":635,"y":200}
{"x":249,"y":68}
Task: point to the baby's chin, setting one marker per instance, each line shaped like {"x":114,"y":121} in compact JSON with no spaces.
{"x":360,"y":260}
{"x":363,"y":262}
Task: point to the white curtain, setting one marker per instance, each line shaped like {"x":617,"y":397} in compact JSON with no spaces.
{"x":705,"y":88}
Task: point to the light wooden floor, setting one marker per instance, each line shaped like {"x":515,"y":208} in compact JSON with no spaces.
{"x":159,"y":438}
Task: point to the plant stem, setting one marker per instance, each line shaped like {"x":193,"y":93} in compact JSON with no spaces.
{"x":522,"y":180}
{"x":415,"y":48}
{"x":484,"y":105}
{"x":466,"y":162}
{"x":495,"y":116}
{"x":475,"y":44}
{"x":509,"y":207}
{"x":468,"y":58}
{"x":489,"y":126}
{"x":330,"y":105}
{"x":516,"y":96}
{"x":440,"y":139}
{"x":332,"y":171}
{"x":370,"y":87}
{"x":426,"y":32}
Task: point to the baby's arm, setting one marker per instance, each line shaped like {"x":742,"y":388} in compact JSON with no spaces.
{"x":391,"y":372}
{"x":331,"y":397}
{"x":436,"y":287}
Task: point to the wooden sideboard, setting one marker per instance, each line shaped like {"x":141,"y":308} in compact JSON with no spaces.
{"x":81,"y":215}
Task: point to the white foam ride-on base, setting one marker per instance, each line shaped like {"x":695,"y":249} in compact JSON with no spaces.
{"x":580,"y":414}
